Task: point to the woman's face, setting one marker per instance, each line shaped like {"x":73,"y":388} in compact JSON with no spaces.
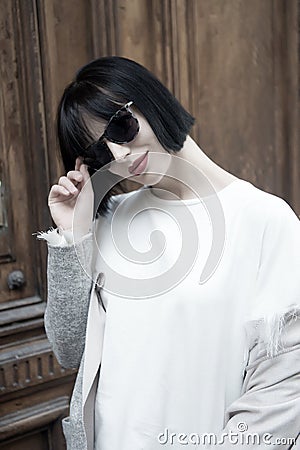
{"x":145,"y":146}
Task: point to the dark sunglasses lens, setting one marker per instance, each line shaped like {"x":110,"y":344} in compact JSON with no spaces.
{"x":122,"y":128}
{"x":98,"y":155}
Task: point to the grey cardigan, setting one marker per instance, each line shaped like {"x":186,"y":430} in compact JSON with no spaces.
{"x":269,"y":401}
{"x":69,"y":293}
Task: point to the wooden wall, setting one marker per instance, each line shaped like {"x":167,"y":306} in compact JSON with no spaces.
{"x":234,"y":65}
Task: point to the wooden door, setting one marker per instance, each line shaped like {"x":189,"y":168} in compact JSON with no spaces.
{"x":34,"y":389}
{"x":233,"y":64}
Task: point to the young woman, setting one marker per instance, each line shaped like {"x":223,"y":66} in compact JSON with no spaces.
{"x":172,"y":285}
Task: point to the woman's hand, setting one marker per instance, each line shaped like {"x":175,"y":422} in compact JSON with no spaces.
{"x":64,"y":198}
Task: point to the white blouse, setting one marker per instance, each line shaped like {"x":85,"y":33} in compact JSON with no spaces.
{"x":176,"y":345}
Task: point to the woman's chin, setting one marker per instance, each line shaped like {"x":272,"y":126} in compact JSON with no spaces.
{"x":146,"y":178}
{"x":143,"y":179}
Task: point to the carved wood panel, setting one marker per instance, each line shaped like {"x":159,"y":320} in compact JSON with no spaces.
{"x":16,"y":197}
{"x":34,"y":389}
{"x":234,"y":66}
{"x":27,"y":365}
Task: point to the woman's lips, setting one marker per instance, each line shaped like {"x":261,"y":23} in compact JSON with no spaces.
{"x":139,"y":165}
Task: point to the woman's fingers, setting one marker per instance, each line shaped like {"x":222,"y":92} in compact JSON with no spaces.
{"x":78,"y":163}
{"x":72,"y":182}
{"x":58,"y":190}
{"x":66,"y":183}
{"x":80,"y":173}
{"x":64,"y":198}
{"x":75,"y":175}
{"x":84,"y":171}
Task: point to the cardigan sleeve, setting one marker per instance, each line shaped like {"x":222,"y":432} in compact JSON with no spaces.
{"x":69,"y":281}
{"x":268,"y":410}
{"x":267,"y":413}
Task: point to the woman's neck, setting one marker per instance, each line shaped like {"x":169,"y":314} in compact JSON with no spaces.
{"x":194,"y":174}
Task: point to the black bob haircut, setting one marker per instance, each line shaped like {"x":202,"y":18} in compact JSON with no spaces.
{"x":98,"y":90}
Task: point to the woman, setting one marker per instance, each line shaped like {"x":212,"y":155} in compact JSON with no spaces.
{"x":172,"y":285}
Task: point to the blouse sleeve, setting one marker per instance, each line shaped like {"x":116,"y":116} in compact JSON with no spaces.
{"x":267,"y":414}
{"x":277,"y":289}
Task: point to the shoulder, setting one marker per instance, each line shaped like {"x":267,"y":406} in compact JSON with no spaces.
{"x":265,"y":208}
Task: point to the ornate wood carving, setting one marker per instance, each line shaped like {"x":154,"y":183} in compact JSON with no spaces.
{"x":27,"y":365}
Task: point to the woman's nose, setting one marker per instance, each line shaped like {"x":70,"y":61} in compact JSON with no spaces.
{"x":119,"y":151}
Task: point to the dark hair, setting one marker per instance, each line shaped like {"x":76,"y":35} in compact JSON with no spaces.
{"x":97,"y":92}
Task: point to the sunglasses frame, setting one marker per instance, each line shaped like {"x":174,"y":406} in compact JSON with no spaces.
{"x":113,"y":117}
{"x":88,"y":159}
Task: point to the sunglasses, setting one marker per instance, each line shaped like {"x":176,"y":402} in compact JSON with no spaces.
{"x":122,"y":128}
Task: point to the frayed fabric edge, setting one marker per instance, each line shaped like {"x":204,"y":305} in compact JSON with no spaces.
{"x":273,"y":326}
{"x":53,"y":237}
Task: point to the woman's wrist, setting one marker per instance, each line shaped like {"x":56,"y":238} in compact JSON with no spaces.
{"x":73,"y":235}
